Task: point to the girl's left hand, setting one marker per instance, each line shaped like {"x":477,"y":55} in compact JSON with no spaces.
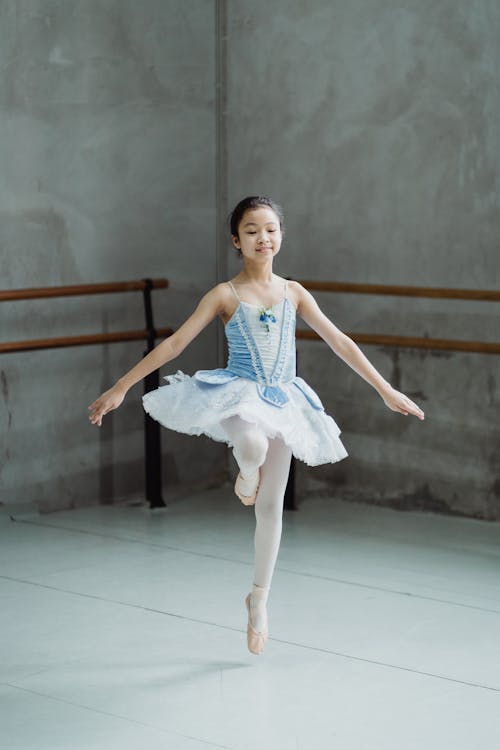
{"x":399,"y":402}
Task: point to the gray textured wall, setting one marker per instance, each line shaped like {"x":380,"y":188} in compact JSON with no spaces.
{"x":107,"y":137}
{"x":376,"y":125}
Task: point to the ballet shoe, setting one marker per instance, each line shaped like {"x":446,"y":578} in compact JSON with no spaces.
{"x":256,"y":640}
{"x":246,"y":499}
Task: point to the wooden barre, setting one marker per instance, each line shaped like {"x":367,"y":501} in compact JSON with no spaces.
{"x":76,"y":289}
{"x":320,"y":286}
{"x":402,"y":291}
{"x":64,"y":341}
{"x":414,"y":342}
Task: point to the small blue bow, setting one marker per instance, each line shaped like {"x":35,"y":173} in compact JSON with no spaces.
{"x":267,"y":317}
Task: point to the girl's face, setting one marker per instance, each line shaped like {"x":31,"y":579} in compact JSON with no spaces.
{"x":259,"y":234}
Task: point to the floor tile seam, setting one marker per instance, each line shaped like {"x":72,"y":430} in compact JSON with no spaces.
{"x":114,"y":716}
{"x":295,"y":644}
{"x":315,"y":576}
{"x":396,"y":592}
{"x":387,"y":665}
{"x":93,"y":532}
{"x":84,"y":595}
{"x":130,"y":605}
{"x":132,"y":540}
{"x":27,"y":676}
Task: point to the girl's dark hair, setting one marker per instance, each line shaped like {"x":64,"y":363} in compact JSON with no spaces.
{"x":250,"y":202}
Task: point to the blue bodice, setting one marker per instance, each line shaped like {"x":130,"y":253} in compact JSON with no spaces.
{"x":245,"y":359}
{"x":245,"y":356}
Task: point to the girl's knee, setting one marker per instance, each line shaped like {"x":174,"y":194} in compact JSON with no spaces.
{"x":252,"y":447}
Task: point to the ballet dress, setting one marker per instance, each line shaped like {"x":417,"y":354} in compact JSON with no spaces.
{"x":259,"y":384}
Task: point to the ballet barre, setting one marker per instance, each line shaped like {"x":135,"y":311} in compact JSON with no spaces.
{"x":152,"y":434}
{"x":413,"y":342}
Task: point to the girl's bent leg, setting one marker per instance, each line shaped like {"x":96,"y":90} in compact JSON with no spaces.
{"x":249,"y":445}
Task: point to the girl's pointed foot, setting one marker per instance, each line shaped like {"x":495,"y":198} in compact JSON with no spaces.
{"x":256,"y":639}
{"x":246,"y":489}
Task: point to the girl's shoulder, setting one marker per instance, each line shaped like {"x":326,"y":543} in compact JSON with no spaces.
{"x":222,"y":288}
{"x":296,"y":286}
{"x":295,"y":292}
{"x":217,"y":296}
{"x":221,"y":293}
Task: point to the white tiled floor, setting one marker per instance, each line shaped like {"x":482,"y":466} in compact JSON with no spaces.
{"x":126,"y":628}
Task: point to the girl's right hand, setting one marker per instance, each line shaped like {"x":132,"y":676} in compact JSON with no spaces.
{"x":107,"y":401}
{"x":397,"y":401}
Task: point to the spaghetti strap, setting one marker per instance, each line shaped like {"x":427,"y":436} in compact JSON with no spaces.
{"x":286,"y":287}
{"x":234,"y":291}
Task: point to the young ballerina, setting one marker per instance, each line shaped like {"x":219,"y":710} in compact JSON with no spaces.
{"x":256,"y":404}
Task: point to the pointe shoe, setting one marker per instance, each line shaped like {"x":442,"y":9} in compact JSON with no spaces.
{"x":246,"y":499}
{"x":256,"y":640}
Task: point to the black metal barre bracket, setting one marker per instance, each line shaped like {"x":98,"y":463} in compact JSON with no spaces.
{"x":152,"y":428}
{"x":289,"y":499}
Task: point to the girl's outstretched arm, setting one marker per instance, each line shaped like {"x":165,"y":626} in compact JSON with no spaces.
{"x":207,"y":309}
{"x":349,"y":351}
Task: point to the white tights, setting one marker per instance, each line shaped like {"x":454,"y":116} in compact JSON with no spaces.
{"x":252,"y":449}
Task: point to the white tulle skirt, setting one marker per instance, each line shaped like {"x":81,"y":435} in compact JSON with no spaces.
{"x":191,"y":407}
{"x":194,"y":408}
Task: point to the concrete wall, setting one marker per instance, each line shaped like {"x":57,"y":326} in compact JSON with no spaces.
{"x":107,"y":136}
{"x":376,"y":126}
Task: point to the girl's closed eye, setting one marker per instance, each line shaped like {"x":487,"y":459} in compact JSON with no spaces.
{"x":269,"y":230}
